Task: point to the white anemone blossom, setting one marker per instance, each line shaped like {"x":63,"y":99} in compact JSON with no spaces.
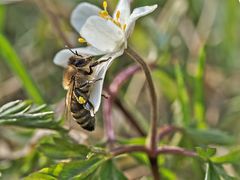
{"x":104,"y":35}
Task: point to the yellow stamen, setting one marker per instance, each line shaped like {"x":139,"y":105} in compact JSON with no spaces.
{"x":118,"y":15}
{"x":81,"y":100}
{"x":81,"y":40}
{"x":105,"y":5}
{"x":103,"y":14}
{"x":124,"y":27}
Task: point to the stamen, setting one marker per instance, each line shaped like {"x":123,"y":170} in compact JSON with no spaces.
{"x":105,"y":5}
{"x":103,"y":14}
{"x":124,"y":27}
{"x":118,"y":15}
{"x":81,"y":40}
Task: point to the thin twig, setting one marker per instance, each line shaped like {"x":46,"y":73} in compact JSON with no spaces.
{"x":166,"y":130}
{"x":176,"y":150}
{"x":129,"y":149}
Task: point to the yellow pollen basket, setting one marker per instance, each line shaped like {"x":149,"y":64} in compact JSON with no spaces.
{"x":81,"y":100}
{"x":81,"y":40}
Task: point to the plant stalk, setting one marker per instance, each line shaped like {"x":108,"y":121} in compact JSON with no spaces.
{"x":151,"y":142}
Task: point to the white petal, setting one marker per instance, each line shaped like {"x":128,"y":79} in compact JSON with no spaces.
{"x":62,"y":57}
{"x":124,"y":8}
{"x":81,"y":13}
{"x":102,"y":34}
{"x":137,"y":13}
{"x":96,"y":93}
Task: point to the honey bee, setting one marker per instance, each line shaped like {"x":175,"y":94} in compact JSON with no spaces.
{"x":78,"y":80}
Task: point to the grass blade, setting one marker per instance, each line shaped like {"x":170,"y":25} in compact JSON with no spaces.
{"x":183,"y":95}
{"x":199,"y":110}
{"x":17,"y":67}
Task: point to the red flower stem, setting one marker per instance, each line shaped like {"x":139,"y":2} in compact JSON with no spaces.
{"x":166,"y":130}
{"x":175,"y":150}
{"x":128,"y":149}
{"x":152,"y":136}
{"x":108,"y":103}
{"x":151,"y":142}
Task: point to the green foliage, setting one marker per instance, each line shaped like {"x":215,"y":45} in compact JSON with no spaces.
{"x":232,"y":157}
{"x":69,"y":149}
{"x":183,"y":96}
{"x":194,"y":46}
{"x":199,"y":107}
{"x":216,"y":172}
{"x":209,"y":136}
{"x":16,"y":65}
{"x":206,"y":153}
{"x":22,"y":113}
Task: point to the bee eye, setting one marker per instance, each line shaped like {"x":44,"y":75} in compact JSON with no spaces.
{"x":80,"y":62}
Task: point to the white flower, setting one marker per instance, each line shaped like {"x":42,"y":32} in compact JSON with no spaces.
{"x":104,"y":34}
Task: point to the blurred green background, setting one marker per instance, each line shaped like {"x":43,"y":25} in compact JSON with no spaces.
{"x":171,"y":37}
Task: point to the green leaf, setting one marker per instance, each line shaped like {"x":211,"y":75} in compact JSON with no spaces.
{"x":167,"y":174}
{"x":216,"y":172}
{"x":21,"y":113}
{"x":40,"y":176}
{"x":63,"y":148}
{"x":183,"y":96}
{"x":107,"y":170}
{"x":72,"y":170}
{"x":14,"y":62}
{"x":199,"y":107}
{"x":211,"y":173}
{"x":231,"y":157}
{"x":206,"y":153}
{"x":209,"y":136}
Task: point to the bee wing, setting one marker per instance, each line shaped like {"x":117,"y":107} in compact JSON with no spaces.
{"x":68,"y":103}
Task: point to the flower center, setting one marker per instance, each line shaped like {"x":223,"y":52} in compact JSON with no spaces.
{"x":105,"y":15}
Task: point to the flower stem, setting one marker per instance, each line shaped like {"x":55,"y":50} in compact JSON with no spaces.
{"x":152,"y":136}
{"x":151,"y":142}
{"x":154,"y":167}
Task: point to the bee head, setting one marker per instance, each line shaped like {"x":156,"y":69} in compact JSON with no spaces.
{"x":79,"y":61}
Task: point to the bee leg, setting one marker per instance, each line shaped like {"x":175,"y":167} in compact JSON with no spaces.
{"x":89,"y":83}
{"x":91,"y":108}
{"x":105,"y":95}
{"x":95,"y":63}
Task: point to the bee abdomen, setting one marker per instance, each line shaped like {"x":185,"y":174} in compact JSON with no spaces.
{"x":82,"y":116}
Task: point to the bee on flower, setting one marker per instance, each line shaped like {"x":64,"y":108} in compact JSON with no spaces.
{"x":104,"y":35}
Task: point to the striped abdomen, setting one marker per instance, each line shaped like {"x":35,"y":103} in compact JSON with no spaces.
{"x":81,"y":115}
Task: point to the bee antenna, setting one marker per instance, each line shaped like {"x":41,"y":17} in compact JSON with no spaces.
{"x":75,"y":53}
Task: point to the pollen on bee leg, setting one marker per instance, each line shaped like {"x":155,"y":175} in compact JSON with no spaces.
{"x":81,"y":100}
{"x":81,"y":40}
